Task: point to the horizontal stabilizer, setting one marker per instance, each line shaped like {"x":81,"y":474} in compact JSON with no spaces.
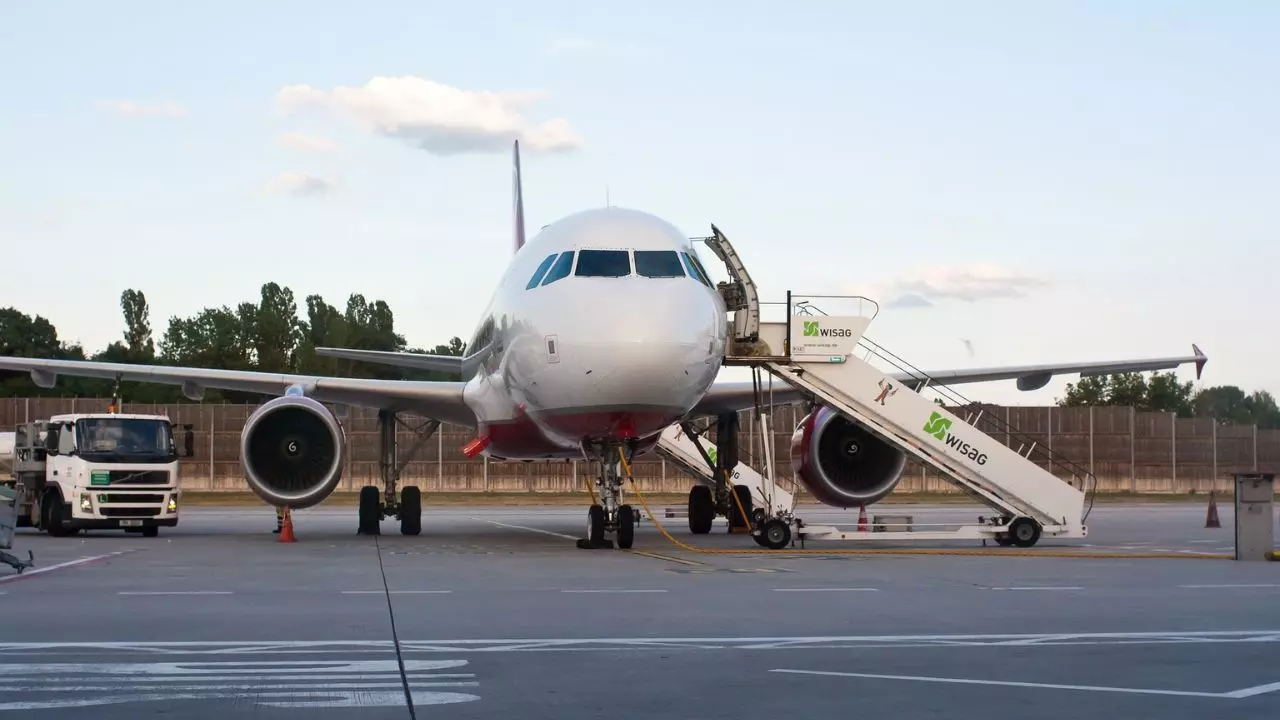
{"x":416,"y":361}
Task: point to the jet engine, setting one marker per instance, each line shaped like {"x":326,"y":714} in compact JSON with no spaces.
{"x":841,"y":462}
{"x":292,"y":449}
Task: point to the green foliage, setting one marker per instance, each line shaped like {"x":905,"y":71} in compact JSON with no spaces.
{"x":267,"y":335}
{"x":1163,"y":393}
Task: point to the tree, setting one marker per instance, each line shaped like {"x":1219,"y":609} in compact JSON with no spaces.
{"x":1230,"y":404}
{"x":1162,"y":393}
{"x":137,"y":321}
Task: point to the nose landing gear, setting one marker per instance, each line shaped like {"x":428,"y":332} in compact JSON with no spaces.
{"x":609,"y":515}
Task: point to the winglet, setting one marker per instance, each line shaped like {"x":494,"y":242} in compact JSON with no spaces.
{"x":1201,"y":359}
{"x":518,"y":197}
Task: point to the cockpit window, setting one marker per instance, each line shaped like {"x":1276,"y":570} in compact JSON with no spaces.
{"x":695,"y":269}
{"x":543,"y":267}
{"x":560,"y":269}
{"x":658,"y":264}
{"x":603,"y":263}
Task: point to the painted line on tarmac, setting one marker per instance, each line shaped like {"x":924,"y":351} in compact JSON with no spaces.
{"x":613,"y":591}
{"x":668,"y":558}
{"x":1259,"y":585}
{"x":396,"y":592}
{"x":853,"y":589}
{"x":62,"y":566}
{"x":1034,"y":587}
{"x":522,"y":527}
{"x":1009,"y":683}
{"x":174,"y":592}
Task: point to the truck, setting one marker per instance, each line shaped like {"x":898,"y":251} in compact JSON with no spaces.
{"x":93,"y":471}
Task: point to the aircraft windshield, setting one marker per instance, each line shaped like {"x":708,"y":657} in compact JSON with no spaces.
{"x":603,"y":263}
{"x":658,"y":263}
{"x":124,"y":436}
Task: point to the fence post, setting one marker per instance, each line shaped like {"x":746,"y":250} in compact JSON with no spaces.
{"x":1133,"y":455}
{"x":1173,"y":450}
{"x":212,"y":419}
{"x":1050,"y":454}
{"x":1255,"y":448}
{"x":1213,"y":479}
{"x":486,"y":473}
{"x":1091,"y":443}
{"x":440,"y":458}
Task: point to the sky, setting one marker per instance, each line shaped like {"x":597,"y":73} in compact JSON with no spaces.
{"x":1012,"y":182}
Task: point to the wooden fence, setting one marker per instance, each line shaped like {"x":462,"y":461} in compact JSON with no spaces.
{"x":1127,"y":451}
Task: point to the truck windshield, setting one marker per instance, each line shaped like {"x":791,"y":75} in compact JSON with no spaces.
{"x":124,"y":437}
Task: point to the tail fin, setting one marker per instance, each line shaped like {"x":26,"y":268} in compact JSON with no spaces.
{"x":518,"y":193}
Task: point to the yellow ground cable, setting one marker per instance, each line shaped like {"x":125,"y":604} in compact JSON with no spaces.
{"x":984,"y":552}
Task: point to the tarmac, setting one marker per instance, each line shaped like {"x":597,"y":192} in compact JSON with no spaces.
{"x":494,"y":612}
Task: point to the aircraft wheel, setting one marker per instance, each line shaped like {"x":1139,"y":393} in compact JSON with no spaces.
{"x":775,"y":534}
{"x":1024,"y":532}
{"x":626,"y":527}
{"x":737,"y":518}
{"x":410,"y":511}
{"x":702,"y":510}
{"x":370,"y":511}
{"x":595,"y":525}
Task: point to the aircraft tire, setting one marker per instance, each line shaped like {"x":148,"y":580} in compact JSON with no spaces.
{"x":410,"y":511}
{"x":702,"y":510}
{"x":737,"y":520}
{"x":370,"y":511}
{"x":626,"y":527}
{"x":595,"y":525}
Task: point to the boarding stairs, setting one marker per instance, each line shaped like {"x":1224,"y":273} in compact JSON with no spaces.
{"x":816,"y":353}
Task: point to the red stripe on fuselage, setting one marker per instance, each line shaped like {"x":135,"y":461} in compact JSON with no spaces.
{"x":524,"y":438}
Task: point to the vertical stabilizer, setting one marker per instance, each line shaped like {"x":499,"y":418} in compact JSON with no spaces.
{"x":518,"y":197}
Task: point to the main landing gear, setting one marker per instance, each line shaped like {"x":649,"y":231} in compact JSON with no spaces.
{"x":375,"y":506}
{"x":607,"y":515}
{"x":733,"y":502}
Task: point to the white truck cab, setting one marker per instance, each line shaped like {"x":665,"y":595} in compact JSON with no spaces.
{"x":97,"y":471}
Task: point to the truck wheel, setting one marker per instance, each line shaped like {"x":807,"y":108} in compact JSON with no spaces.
{"x":55,"y":513}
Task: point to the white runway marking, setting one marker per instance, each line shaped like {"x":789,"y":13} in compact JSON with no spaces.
{"x":304,"y":683}
{"x":490,"y":645}
{"x":1071,"y":587}
{"x":530,"y":529}
{"x":397,"y":592}
{"x":174,"y":592}
{"x":61,"y":566}
{"x":613,"y":591}
{"x":1047,"y":686}
{"x":856,"y":589}
{"x":1260,"y":585}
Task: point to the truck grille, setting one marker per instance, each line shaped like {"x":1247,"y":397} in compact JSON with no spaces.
{"x":136,"y":477}
{"x":129,"y":512}
{"x":129,"y":498}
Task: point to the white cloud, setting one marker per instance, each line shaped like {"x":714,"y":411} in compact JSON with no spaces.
{"x":970,"y":283}
{"x":129,"y":107}
{"x":301,"y":184}
{"x":298,"y":141}
{"x":435,"y":117}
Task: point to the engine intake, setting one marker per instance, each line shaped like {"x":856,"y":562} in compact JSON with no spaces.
{"x":841,"y":462}
{"x":292,"y":450}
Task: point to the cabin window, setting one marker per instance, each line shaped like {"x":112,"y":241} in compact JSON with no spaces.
{"x":695,"y":269}
{"x":560,"y":269}
{"x":543,"y":267}
{"x":658,"y":264}
{"x":603,"y":263}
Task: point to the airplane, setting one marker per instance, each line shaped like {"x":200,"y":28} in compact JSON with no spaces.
{"x":604,"y":330}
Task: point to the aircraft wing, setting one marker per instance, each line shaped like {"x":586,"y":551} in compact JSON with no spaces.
{"x":734,"y":396}
{"x":437,"y":400}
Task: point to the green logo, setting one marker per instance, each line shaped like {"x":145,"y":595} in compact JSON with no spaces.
{"x":938,"y":426}
{"x":711,"y":453}
{"x":100,"y":477}
{"x":810,"y":328}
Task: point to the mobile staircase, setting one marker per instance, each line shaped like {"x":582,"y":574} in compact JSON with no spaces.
{"x":680,"y":446}
{"x":815,"y":353}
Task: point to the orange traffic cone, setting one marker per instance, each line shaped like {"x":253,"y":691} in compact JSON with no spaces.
{"x":1211,"y":519}
{"x":862,"y":518}
{"x":286,"y":532}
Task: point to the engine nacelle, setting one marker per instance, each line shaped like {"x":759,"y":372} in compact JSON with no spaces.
{"x":292,"y":450}
{"x":842,"y":463}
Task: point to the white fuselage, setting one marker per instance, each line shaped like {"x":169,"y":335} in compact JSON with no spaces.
{"x":603,"y":347}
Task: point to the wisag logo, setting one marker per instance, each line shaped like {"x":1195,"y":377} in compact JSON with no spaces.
{"x":812,"y":329}
{"x":940,"y":427}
